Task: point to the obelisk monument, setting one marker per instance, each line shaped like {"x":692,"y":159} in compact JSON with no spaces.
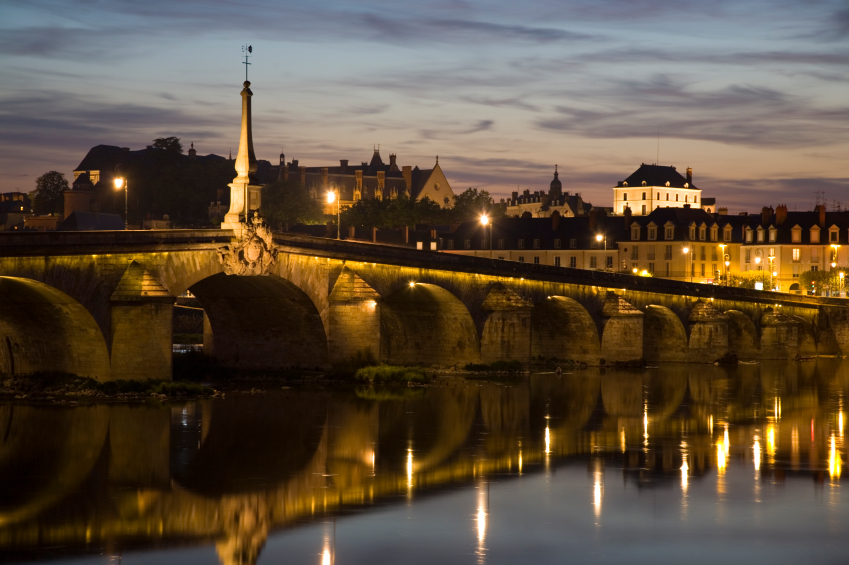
{"x":244,"y":190}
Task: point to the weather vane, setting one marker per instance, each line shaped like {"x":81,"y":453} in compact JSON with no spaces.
{"x":247,"y":49}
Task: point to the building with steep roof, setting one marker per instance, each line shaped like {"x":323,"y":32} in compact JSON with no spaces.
{"x":374,"y":179}
{"x":655,"y":186}
{"x":540,"y":204}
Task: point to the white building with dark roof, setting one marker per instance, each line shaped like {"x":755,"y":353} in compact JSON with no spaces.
{"x":655,"y":186}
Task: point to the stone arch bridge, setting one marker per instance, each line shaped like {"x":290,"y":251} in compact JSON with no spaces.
{"x":99,"y":304}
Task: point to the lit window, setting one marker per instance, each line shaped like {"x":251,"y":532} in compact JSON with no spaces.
{"x":797,"y":254}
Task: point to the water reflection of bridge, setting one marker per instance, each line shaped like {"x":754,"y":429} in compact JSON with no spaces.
{"x":233,"y":470}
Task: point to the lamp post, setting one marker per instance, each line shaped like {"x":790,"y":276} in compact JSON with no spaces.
{"x":603,"y":237}
{"x":834,"y":251}
{"x":484,"y":221}
{"x":758,"y":263}
{"x":725,"y":258}
{"x":334,"y":196}
{"x":771,"y":272}
{"x":687,"y":263}
{"x":121,"y":182}
{"x":727,"y":263}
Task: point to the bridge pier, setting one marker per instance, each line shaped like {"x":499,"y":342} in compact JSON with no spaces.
{"x":622,"y":337}
{"x":779,"y":335}
{"x":506,"y":326}
{"x":708,"y":333}
{"x":354,"y":318}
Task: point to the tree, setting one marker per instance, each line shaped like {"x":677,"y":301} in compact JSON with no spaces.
{"x":471,"y":203}
{"x":48,"y":196}
{"x":289,"y":202}
{"x":170,"y":144}
{"x":823,"y":280}
{"x":747,"y":279}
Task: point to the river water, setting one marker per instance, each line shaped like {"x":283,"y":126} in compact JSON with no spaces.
{"x":679,"y":464}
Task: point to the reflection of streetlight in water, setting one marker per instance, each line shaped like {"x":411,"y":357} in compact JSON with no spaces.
{"x":480,"y":520}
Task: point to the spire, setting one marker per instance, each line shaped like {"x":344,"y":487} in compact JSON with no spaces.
{"x":244,"y":190}
{"x":437,"y":159}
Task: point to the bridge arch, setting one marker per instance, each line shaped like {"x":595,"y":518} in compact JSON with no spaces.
{"x":664,"y":336}
{"x":562,"y":328}
{"x":743,"y":337}
{"x":424,"y":323}
{"x":44,"y":329}
{"x":262,"y":321}
{"x":807,"y":337}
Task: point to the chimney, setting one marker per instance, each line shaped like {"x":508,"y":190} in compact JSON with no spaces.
{"x":821,"y":210}
{"x":344,"y":164}
{"x":780,"y":214}
{"x":514,"y":196}
{"x":393,"y":166}
{"x":627,"y":214}
{"x":690,"y":175}
{"x":766,"y":214}
{"x":407,"y":171}
{"x":593,"y":219}
{"x":295,"y":163}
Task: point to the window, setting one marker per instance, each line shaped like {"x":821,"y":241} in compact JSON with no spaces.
{"x":652,"y":234}
{"x":815,"y":255}
{"x":714,"y":233}
{"x":748,"y":235}
{"x":625,"y":196}
{"x":573,"y":243}
{"x":635,"y":253}
{"x":814,"y":268}
{"x":521,"y":259}
{"x":650,"y":252}
{"x":797,"y":254}
{"x":521,"y":244}
{"x":702,"y":254}
{"x":536,"y":260}
{"x":467,"y":244}
{"x":536,"y":244}
{"x":797,"y":269}
{"x":635,"y":234}
{"x":667,"y":253}
{"x":670,"y":232}
{"x":715,"y":270}
{"x":609,"y":262}
{"x":703,"y":270}
{"x":748,"y":256}
{"x":593,"y":262}
{"x":501,"y":257}
{"x":815,"y":235}
{"x":832,"y":236}
{"x":686,"y":198}
{"x":557,"y":244}
{"x":692,"y":232}
{"x":644,"y":209}
{"x":772,"y":235}
{"x":695,"y":199}
{"x":676,"y":198}
{"x":644,"y":196}
{"x":651,"y":267}
{"x":573,"y":262}
{"x":713,"y":255}
{"x":500,"y":244}
{"x":760,"y":235}
{"x":450,"y":243}
{"x":667,"y":196}
{"x":702,"y":233}
{"x":796,"y":235}
{"x":557,"y":261}
{"x":726,"y":234}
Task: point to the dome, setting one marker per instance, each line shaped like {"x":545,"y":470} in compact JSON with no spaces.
{"x":555,"y":187}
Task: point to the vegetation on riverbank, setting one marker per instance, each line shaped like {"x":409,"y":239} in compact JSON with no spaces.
{"x":512,"y":366}
{"x":391,"y":374}
{"x":50,"y":385}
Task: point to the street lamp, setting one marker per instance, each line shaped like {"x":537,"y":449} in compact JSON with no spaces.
{"x":686,"y":265}
{"x":333,"y":196}
{"x":771,"y":272}
{"x":484,"y":221}
{"x":725,"y":257}
{"x":603,"y":237}
{"x":121,"y":182}
{"x":834,"y":248}
{"x":727,"y":263}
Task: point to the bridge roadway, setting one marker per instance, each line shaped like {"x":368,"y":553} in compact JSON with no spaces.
{"x":100,"y":304}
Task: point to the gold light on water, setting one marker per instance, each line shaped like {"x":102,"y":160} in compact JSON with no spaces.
{"x":597,"y":491}
{"x":325,"y":557}
{"x":834,"y":460}
{"x":547,"y":440}
{"x":727,"y":442}
{"x":409,"y":467}
{"x":756,"y":453}
{"x":770,"y":441}
{"x":721,"y":454}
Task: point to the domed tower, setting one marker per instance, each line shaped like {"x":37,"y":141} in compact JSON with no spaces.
{"x":555,"y":189}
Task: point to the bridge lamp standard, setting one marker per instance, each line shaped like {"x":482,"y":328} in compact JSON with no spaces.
{"x":725,"y":257}
{"x":772,"y":273}
{"x":121,"y":182}
{"x":484,"y":222}
{"x":334,"y":196}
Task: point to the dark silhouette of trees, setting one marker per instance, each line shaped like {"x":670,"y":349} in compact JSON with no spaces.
{"x":48,"y":196}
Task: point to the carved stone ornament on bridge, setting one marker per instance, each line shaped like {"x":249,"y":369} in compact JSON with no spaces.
{"x":253,"y":253}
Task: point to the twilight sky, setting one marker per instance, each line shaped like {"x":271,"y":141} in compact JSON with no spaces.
{"x":754,"y":95}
